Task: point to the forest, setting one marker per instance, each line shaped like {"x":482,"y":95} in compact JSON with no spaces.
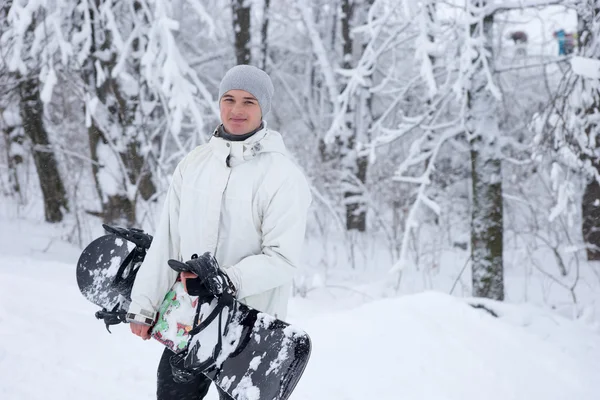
{"x":449,"y":145}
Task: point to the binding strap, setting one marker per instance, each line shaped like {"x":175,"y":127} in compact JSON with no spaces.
{"x":224,"y":300}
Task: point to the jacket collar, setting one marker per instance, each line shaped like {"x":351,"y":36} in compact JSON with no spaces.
{"x":235,"y":153}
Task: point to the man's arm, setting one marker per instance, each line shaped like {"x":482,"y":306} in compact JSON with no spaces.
{"x":154,"y":277}
{"x":283,"y":229}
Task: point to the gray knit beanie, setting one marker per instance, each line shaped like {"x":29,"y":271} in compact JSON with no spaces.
{"x":251,"y":79}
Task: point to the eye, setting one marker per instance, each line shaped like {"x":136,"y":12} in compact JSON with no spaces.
{"x":228,"y":100}
{"x":249,"y":102}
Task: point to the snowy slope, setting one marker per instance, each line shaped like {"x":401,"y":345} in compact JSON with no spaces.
{"x":432,"y":346}
{"x":422,"y":346}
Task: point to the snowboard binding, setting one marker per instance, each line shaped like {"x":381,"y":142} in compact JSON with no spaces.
{"x":96,"y":275}
{"x":113,"y":317}
{"x":217,"y":289}
{"x":134,"y":235}
{"x":123,"y":281}
{"x":215,"y":281}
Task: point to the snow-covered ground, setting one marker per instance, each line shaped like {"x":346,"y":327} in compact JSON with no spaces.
{"x":421,"y":346}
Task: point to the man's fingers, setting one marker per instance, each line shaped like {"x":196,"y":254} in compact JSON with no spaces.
{"x":146,"y":332}
{"x":135,"y":328}
{"x":140,"y":330}
{"x":183,"y":279}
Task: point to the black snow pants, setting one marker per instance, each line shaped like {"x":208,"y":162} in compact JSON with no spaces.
{"x":168,"y":389}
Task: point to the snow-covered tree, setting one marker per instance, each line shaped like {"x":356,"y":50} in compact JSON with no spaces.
{"x":140,"y":100}
{"x":586,"y":114}
{"x":569,"y":127}
{"x":109,"y":73}
{"x":31,"y":76}
{"x":482,"y":128}
{"x":345,"y":68}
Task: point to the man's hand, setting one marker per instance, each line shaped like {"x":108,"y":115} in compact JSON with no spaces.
{"x":186,"y":275}
{"x":140,"y":330}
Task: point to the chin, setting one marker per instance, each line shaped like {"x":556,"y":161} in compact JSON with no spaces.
{"x":237,"y":131}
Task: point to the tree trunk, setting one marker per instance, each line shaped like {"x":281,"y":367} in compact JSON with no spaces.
{"x":587,"y":14}
{"x":590,"y":213}
{"x":138,"y":170}
{"x":265,"y":35}
{"x":486,"y":171}
{"x":31,"y":110}
{"x":486,"y":222}
{"x":14,"y":141}
{"x":241,"y":30}
{"x":354,"y":166}
{"x":11,"y":130}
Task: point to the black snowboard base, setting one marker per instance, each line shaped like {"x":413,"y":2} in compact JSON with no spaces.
{"x":98,"y":267}
{"x":262,"y":357}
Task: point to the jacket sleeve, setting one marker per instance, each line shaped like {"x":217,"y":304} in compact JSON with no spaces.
{"x":283,"y":229}
{"x":154,"y":277}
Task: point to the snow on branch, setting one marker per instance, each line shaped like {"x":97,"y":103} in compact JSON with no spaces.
{"x":415,"y":157}
{"x":425,"y":47}
{"x":419,"y":154}
{"x":571,"y":120}
{"x":166,"y":70}
{"x":320,"y":52}
{"x":204,"y":16}
{"x":360,"y":75}
{"x":35,"y":33}
{"x":384,"y":136}
{"x":521,"y":4}
{"x":475,"y":54}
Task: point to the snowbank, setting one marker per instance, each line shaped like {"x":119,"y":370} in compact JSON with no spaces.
{"x":433,"y":346}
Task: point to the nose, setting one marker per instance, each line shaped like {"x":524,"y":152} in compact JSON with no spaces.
{"x":236,"y":109}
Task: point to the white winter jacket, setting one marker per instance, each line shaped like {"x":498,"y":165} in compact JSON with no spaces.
{"x":245,"y":202}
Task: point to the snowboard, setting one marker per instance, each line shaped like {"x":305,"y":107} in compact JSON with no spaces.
{"x":247,"y":353}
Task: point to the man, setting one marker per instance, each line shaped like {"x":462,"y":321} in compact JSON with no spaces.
{"x":561,"y":36}
{"x":239,"y":197}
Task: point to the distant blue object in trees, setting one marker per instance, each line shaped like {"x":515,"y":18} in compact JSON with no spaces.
{"x":561,"y":36}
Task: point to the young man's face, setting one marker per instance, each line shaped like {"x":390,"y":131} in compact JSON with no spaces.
{"x":240,"y":112}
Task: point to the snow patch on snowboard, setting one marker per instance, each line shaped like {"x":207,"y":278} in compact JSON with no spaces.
{"x":246,"y":390}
